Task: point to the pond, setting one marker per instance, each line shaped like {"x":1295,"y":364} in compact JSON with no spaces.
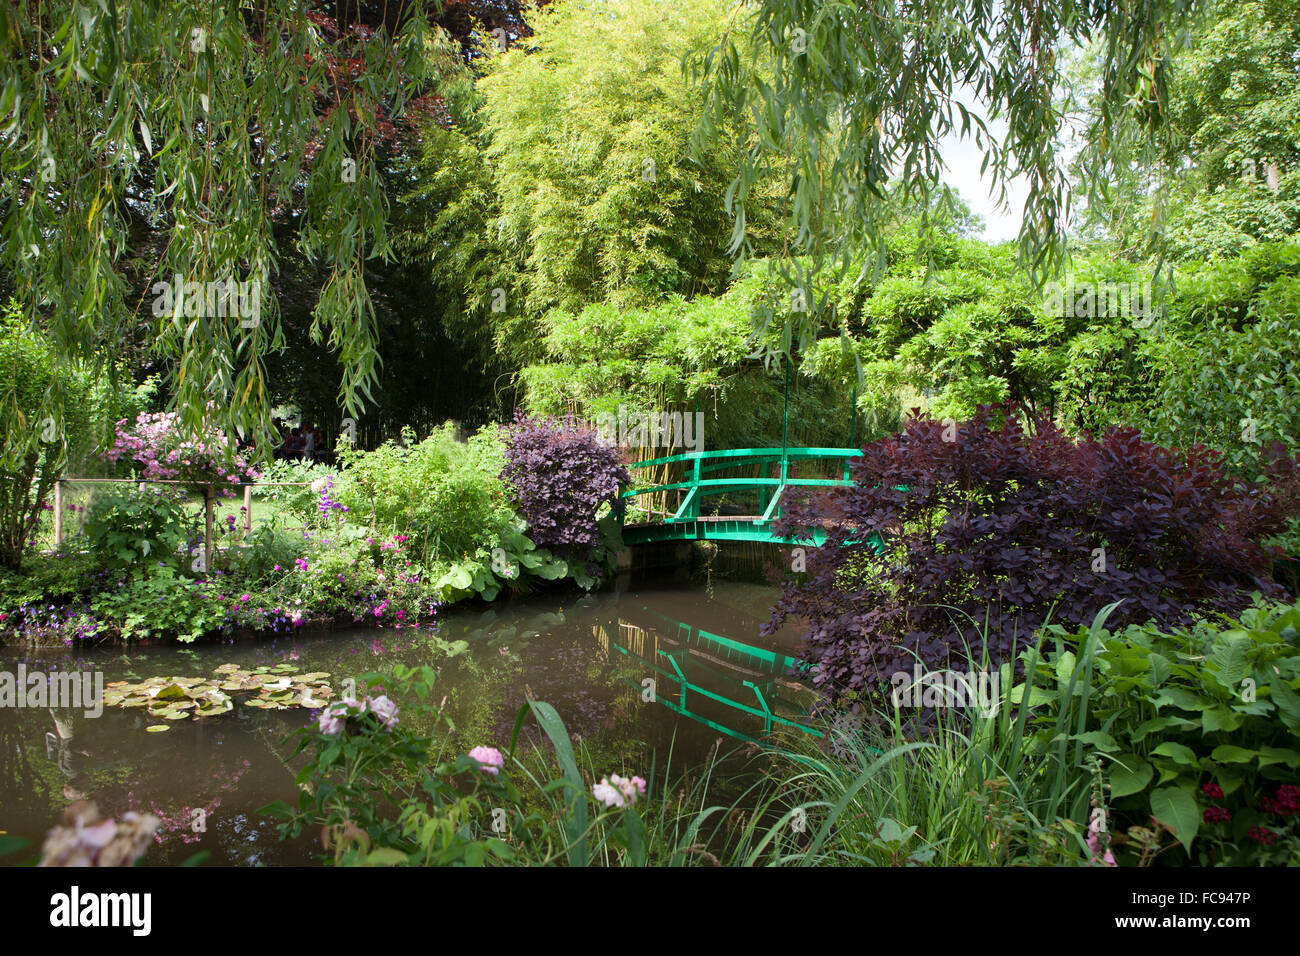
{"x":636,"y":676}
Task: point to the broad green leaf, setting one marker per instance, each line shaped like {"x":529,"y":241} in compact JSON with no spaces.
{"x":1129,"y":774}
{"x":1176,"y":809}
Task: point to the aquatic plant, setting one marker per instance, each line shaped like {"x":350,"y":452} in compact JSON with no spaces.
{"x":276,"y":687}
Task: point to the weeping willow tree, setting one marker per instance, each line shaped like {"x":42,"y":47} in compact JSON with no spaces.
{"x":158,"y":154}
{"x":200,"y":142}
{"x":857,"y":94}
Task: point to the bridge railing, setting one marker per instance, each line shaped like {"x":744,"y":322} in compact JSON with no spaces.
{"x":697,"y":486}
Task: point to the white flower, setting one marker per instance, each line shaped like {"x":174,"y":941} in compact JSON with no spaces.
{"x":616,"y":791}
{"x":610,"y":796}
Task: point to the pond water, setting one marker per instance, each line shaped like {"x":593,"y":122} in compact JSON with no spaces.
{"x":636,"y":676}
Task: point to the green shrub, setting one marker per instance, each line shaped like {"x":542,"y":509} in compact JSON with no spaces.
{"x":158,"y":604}
{"x":1176,"y":718}
{"x":446,"y":496}
{"x":127,"y":528}
{"x":1235,"y":383}
{"x":300,"y":502}
{"x":265,"y":548}
{"x":44,"y":579}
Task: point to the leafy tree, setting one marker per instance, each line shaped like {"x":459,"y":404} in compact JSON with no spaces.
{"x":567,"y":180}
{"x":968,"y":329}
{"x":34,"y":446}
{"x":1231,"y":380}
{"x":683,"y":356}
{"x":1226,"y":179}
{"x":232,"y":134}
{"x":855,"y":92}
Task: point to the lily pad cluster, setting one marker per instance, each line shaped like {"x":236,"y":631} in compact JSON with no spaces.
{"x":276,"y":687}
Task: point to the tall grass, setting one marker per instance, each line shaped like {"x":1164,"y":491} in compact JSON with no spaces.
{"x":972,"y":789}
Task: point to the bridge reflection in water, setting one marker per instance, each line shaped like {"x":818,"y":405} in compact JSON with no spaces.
{"x":738,"y":689}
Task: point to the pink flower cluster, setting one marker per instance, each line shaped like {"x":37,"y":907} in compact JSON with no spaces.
{"x":335,"y":717}
{"x":164,"y":452}
{"x":87,"y":839}
{"x":490,"y":758}
{"x":1099,"y":842}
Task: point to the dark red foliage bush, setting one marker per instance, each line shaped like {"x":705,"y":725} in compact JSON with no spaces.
{"x":561,"y":473}
{"x":1000,"y":531}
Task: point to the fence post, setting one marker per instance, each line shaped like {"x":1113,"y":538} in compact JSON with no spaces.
{"x":208,"y":529}
{"x":248,"y":511}
{"x":58,"y":512}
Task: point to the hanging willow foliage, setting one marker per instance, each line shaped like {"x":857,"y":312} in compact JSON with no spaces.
{"x":859,"y":93}
{"x":229,"y":133}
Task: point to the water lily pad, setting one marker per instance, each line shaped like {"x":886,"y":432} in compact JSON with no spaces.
{"x":226,"y":669}
{"x":156,"y":728}
{"x":212,"y":708}
{"x":172,"y":691}
{"x":314,"y":677}
{"x":175,"y":715}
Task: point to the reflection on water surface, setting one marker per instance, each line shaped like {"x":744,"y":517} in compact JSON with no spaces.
{"x":633,"y":675}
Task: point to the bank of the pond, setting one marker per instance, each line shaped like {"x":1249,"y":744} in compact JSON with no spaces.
{"x":69,"y":599}
{"x":648,"y":681}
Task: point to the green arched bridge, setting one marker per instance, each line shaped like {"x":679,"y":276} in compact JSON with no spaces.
{"x":704,"y":477}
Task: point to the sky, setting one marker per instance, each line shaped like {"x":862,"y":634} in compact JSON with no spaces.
{"x":963,"y":159}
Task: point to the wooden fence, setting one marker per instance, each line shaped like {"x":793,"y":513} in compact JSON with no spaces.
{"x":209,"y":490}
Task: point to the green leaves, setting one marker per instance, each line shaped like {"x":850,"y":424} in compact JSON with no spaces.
{"x":855,"y":92}
{"x":208,"y":138}
{"x":1176,"y":808}
{"x":1129,"y":774}
{"x":575,"y":788}
{"x":1176,"y":711}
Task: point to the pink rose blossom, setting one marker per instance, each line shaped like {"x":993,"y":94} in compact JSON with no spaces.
{"x":490,"y":758}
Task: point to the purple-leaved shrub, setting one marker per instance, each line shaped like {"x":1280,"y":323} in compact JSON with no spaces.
{"x":561,"y":474}
{"x":992,"y":531}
